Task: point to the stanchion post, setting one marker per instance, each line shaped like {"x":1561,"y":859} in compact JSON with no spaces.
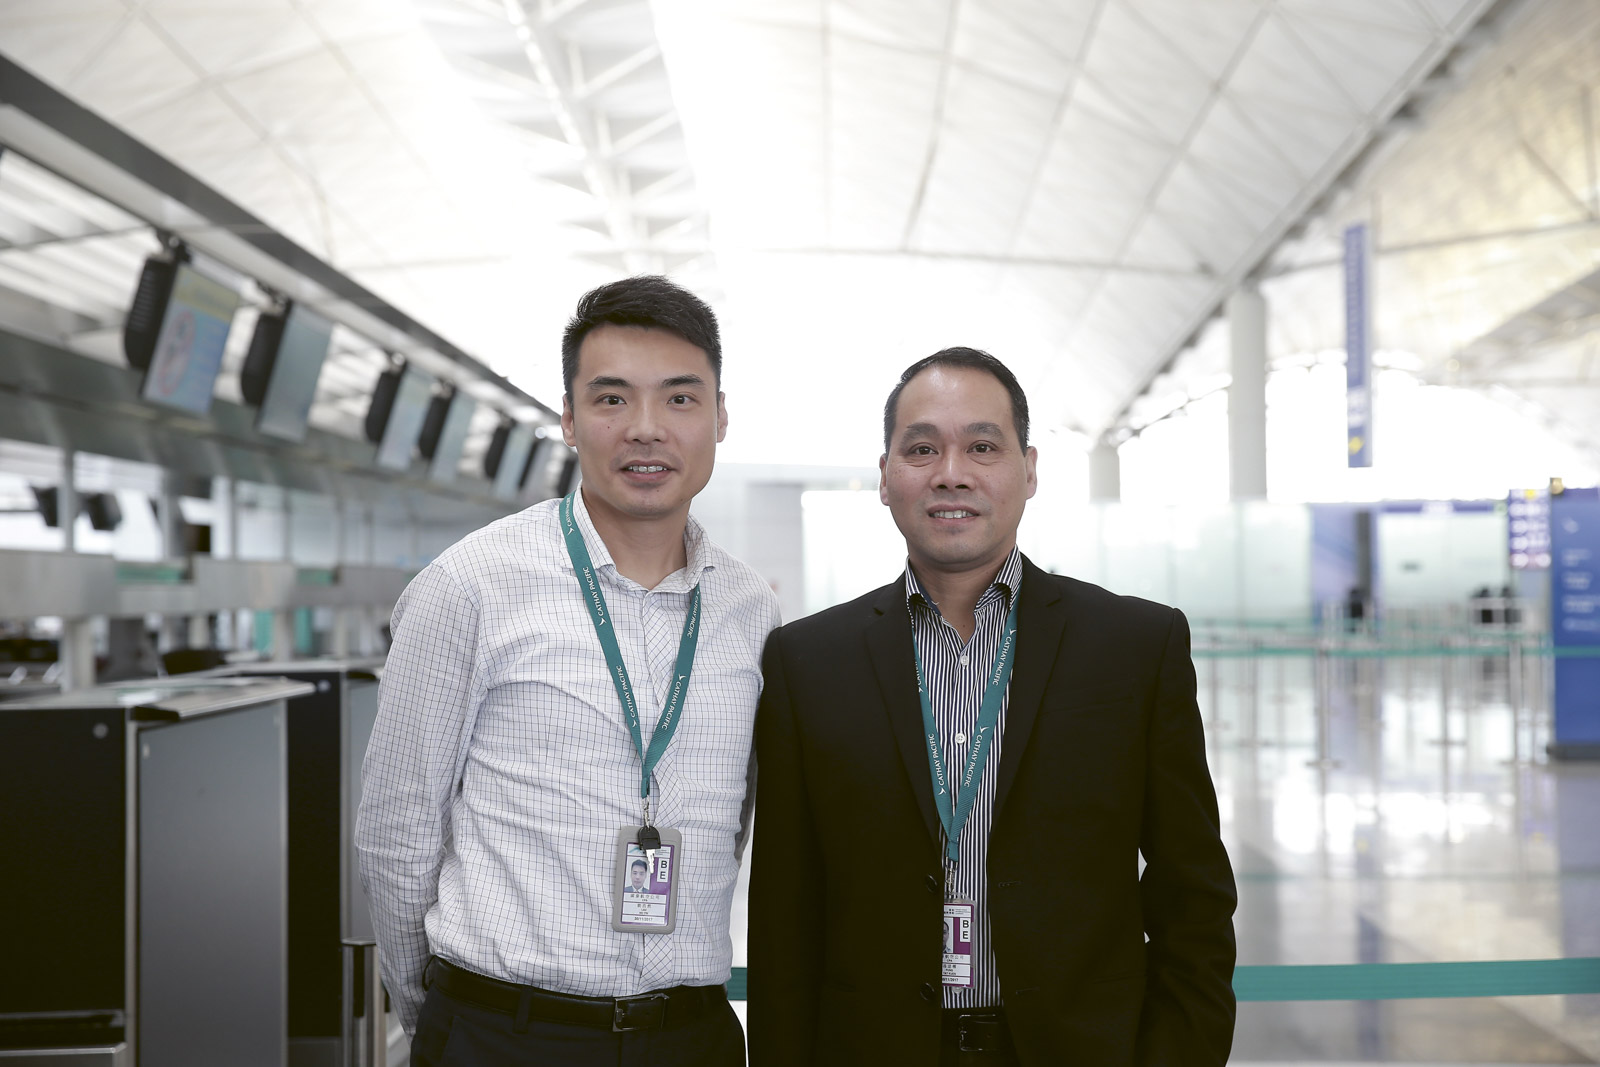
{"x":1514,"y":678}
{"x":365,"y":1030}
{"x":1249,"y":680}
{"x":1322,"y":708}
{"x":1216,"y":703}
{"x":1446,"y":688}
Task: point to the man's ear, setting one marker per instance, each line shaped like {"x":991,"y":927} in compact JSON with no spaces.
{"x":566,"y":422}
{"x":883,"y":479}
{"x":722,"y":417}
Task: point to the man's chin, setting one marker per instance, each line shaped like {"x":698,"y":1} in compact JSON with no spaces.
{"x":955,"y":557}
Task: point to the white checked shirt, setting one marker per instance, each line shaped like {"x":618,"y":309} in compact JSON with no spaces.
{"x":957,"y":676}
{"x":501,"y":767}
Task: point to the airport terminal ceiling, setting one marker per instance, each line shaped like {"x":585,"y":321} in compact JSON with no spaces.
{"x":1074,"y":185}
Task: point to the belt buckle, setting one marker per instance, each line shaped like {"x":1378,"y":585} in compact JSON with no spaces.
{"x":647,"y":1012}
{"x":983,"y":1029}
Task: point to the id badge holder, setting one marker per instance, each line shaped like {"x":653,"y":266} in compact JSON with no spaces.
{"x":644,"y":896}
{"x":958,"y":930}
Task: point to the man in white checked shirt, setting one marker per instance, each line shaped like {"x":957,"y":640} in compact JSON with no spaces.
{"x":569,"y":689}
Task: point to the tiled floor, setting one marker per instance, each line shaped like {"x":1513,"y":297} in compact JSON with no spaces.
{"x":1427,"y":842}
{"x":1408,"y":851}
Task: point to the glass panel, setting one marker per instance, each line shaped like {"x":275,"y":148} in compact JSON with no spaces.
{"x":851,"y":545}
{"x":1276,"y":548}
{"x":1137,"y":553}
{"x":1205,"y":562}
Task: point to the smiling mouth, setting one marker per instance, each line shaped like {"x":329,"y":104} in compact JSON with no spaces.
{"x":645,"y":468}
{"x":954,"y":513}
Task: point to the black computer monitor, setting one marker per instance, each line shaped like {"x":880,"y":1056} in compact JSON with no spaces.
{"x":195,"y":321}
{"x":444,"y":434}
{"x":280,"y":373}
{"x":394,"y":419}
{"x":513,"y":459}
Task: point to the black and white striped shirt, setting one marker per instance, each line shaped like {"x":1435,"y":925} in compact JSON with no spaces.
{"x":955,"y":676}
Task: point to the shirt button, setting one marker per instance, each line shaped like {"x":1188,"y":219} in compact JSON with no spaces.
{"x":930,"y":994}
{"x":961,"y":739}
{"x":963,"y":661}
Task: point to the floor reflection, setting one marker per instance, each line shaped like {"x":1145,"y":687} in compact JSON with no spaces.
{"x":1416,"y":822}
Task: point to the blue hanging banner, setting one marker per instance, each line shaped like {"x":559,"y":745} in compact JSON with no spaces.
{"x":1575,"y":621}
{"x":1358,"y":345}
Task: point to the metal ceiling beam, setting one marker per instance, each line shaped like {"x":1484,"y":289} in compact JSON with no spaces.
{"x":553,"y":65}
{"x":1343,"y":167}
{"x":63,"y":136}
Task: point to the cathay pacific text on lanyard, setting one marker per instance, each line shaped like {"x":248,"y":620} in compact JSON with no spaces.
{"x":953,"y":812}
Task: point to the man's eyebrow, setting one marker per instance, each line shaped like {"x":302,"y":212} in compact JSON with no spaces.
{"x":682,"y":379}
{"x":608,"y":381}
{"x":919,"y":429}
{"x":973,"y":429}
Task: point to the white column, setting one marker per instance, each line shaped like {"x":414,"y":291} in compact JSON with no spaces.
{"x":174,"y":628}
{"x":283,"y":634}
{"x":1247,"y":396}
{"x":77,"y":634}
{"x":67,"y":500}
{"x":287,"y":531}
{"x":1105,"y":472}
{"x":225,"y":494}
{"x":341,"y":632}
{"x":77,"y":654}
{"x":171,"y":516}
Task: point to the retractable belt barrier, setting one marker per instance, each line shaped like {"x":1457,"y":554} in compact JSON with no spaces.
{"x":1390,"y":981}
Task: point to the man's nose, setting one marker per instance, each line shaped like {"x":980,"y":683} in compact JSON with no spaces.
{"x":646,"y":424}
{"x":954,"y":471}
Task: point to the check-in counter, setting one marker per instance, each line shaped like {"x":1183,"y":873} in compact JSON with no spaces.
{"x":333,"y":973}
{"x":143,"y":855}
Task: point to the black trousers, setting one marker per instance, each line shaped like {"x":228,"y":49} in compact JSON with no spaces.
{"x":453,"y":1033}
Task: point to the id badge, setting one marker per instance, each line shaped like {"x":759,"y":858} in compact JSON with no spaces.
{"x":645,"y":890}
{"x":957,"y":944}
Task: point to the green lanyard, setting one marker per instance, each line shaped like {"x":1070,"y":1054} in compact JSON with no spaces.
{"x":667,"y":725}
{"x":953,"y":813}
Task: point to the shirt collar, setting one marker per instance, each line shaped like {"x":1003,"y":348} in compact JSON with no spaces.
{"x":696,"y":546}
{"x":1004,"y":585}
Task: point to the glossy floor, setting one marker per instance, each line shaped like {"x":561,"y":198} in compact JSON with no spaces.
{"x":1428,"y":837}
{"x":1420,"y":824}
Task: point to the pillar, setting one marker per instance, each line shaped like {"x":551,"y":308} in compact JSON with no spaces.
{"x":67,"y":500}
{"x":1247,"y":396}
{"x":1105,"y":473}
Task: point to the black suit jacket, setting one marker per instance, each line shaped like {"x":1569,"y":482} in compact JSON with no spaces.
{"x":1102,"y":760}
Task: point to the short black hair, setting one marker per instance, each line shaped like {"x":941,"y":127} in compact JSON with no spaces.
{"x":649,"y":301}
{"x":973,"y":359}
{"x":641,"y":863}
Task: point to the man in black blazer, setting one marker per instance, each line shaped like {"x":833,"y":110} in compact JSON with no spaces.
{"x":1097,"y":758}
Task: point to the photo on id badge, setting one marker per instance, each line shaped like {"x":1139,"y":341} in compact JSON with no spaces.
{"x":958,"y":944}
{"x":645,"y":897}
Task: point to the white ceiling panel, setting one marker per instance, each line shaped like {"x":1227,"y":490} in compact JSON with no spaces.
{"x":1076,"y":184}
{"x":990,"y":138}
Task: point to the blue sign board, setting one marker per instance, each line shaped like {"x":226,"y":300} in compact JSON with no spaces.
{"x":1528,"y":529}
{"x":1358,"y":345}
{"x":1575,"y":615}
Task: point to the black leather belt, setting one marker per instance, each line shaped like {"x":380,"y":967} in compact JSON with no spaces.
{"x":975,"y":1030}
{"x":647,"y":1011}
